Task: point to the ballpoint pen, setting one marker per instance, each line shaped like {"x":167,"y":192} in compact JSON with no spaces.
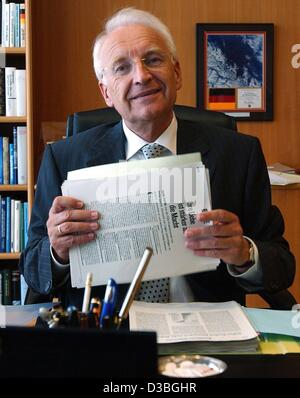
{"x":134,"y":286}
{"x":87,"y":293}
{"x":109,"y":301}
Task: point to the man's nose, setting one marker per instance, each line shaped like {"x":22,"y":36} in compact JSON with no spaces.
{"x":141,"y":73}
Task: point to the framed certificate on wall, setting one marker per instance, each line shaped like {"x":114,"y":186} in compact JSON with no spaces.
{"x":235,"y":69}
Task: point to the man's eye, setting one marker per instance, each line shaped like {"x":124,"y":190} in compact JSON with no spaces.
{"x":121,"y":69}
{"x":155,"y":60}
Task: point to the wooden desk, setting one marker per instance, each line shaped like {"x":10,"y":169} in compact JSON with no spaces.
{"x":287,"y":198}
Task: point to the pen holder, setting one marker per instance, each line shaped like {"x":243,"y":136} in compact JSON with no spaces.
{"x":58,"y":317}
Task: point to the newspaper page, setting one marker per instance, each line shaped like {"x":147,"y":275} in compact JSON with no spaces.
{"x":182,"y":322}
{"x":152,"y":213}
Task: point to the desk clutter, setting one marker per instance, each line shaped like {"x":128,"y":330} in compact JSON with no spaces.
{"x":72,"y":317}
{"x":96,"y":313}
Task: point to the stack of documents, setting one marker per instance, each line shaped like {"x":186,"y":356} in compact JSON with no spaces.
{"x":196,"y":328}
{"x":145,"y":203}
{"x":281,"y":174}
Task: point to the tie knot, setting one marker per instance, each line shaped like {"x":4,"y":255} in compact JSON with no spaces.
{"x":153,"y":150}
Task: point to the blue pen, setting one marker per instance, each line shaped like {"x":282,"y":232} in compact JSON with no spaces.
{"x":110,"y":299}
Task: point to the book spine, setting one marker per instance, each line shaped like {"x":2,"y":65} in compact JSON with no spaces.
{"x":12,"y":12}
{"x":17,"y":204}
{"x":11,"y":164}
{"x":22,"y":25}
{"x":5,"y":160}
{"x":8,"y":224}
{"x":21,"y":92}
{"x":15,"y":287}
{"x":10,"y":92}
{"x":15,"y":159}
{"x":21,"y":234}
{"x":1,"y":292}
{"x":3,"y":225}
{"x":25,"y":223}
{"x":22,"y":154}
{"x":1,"y":160}
{"x":17,"y":25}
{"x":6,"y":26}
{"x":2,"y":91}
{"x":12,"y":225}
{"x":6,"y":287}
{"x":3,"y":23}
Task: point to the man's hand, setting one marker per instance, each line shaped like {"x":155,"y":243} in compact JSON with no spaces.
{"x":223,"y":239}
{"x":69,"y":225}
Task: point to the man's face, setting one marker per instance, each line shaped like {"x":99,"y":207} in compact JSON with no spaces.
{"x":140,"y":78}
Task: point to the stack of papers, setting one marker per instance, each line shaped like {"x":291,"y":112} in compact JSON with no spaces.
{"x":145,"y":203}
{"x":196,"y":328}
{"x":281,"y":174}
{"x":275,"y":321}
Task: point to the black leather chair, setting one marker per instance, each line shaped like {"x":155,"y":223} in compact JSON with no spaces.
{"x":81,"y":121}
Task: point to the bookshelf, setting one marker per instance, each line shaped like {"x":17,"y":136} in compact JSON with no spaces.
{"x":21,"y":58}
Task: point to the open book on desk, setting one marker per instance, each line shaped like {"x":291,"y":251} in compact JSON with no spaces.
{"x":196,"y":327}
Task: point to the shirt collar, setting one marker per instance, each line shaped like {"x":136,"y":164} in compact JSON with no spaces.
{"x":168,"y":139}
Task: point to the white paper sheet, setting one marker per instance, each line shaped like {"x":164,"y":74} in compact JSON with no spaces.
{"x":127,"y":228}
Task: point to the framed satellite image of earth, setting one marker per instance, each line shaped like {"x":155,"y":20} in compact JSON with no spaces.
{"x":235,"y":69}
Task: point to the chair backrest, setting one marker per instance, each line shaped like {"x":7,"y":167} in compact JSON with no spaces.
{"x":81,"y":121}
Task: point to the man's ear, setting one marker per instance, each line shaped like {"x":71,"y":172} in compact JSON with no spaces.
{"x":178,"y":76}
{"x":105,"y":94}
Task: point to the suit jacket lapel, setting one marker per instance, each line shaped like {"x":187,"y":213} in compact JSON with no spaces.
{"x":193,"y":137}
{"x":108,"y":147}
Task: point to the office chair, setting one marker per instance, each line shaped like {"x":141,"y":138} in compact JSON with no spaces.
{"x":81,"y":121}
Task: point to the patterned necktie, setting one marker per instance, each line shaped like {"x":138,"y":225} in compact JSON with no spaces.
{"x":155,"y":291}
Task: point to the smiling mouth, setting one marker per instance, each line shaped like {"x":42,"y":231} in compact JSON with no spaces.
{"x":145,"y":93}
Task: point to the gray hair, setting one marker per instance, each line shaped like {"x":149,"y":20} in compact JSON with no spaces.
{"x":130,"y":16}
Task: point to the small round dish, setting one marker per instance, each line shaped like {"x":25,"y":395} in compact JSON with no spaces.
{"x":190,"y":366}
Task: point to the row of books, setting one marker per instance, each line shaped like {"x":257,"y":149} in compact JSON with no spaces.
{"x":13,"y":225}
{"x":12,"y":91}
{"x":13,"y":157}
{"x":12,"y":24}
{"x":10,"y":287}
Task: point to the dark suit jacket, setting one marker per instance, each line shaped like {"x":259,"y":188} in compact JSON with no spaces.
{"x":239,"y":183}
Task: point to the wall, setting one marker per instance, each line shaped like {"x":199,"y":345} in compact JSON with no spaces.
{"x":64,"y":30}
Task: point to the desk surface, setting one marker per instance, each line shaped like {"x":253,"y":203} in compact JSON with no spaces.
{"x":261,"y":366}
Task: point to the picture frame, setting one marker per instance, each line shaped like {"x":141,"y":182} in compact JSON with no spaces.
{"x":235,"y":69}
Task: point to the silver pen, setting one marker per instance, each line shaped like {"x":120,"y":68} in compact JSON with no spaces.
{"x":135,"y":285}
{"x":87,"y":293}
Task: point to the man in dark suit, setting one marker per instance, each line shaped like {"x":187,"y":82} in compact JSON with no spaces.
{"x":139,"y":74}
